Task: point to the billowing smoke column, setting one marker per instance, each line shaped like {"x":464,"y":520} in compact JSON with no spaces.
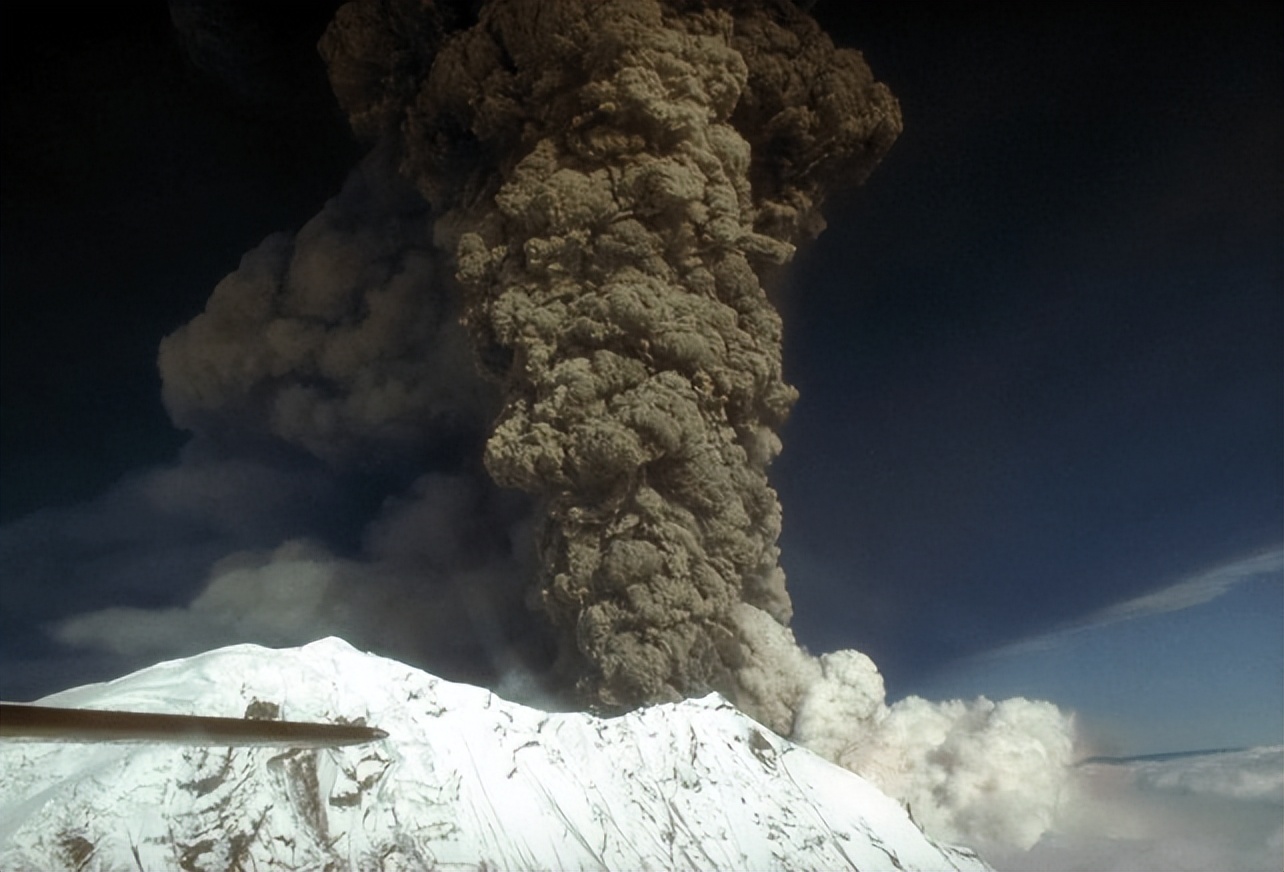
{"x":615,"y":179}
{"x":611,"y":182}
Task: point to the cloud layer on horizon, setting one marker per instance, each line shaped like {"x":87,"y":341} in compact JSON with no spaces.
{"x":1215,"y":811}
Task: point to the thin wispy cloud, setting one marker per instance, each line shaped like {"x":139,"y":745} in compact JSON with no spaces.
{"x":1195,"y":590}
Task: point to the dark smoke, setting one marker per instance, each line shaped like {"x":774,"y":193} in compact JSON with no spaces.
{"x":338,"y":350}
{"x":604,"y":188}
{"x":336,"y":340}
{"x":615,"y":180}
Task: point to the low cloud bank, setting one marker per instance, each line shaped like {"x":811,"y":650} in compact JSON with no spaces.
{"x":1210,"y":811}
{"x":439,"y":579}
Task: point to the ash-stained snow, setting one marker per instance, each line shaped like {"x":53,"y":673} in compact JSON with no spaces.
{"x":465,"y":780}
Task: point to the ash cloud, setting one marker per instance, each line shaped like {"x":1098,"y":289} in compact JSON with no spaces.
{"x":604,"y":190}
{"x":334,"y":483}
{"x":615,"y":180}
{"x":336,"y":340}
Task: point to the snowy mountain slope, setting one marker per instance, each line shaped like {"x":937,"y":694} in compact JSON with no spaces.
{"x":465,"y":780}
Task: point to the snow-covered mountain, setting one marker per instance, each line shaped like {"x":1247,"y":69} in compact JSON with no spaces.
{"x":465,"y":780}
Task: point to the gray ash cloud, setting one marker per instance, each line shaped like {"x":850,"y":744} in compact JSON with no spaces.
{"x":614,"y":181}
{"x":558,"y":362}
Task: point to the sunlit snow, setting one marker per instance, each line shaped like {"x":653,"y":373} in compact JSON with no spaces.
{"x":465,"y":780}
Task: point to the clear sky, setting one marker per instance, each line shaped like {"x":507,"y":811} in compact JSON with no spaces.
{"x":1040,"y":353}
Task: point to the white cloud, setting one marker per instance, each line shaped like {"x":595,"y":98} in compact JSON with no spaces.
{"x":284,"y":598}
{"x":1216,"y":811}
{"x":987,"y":774}
{"x":154,"y":535}
{"x":1253,"y":775}
{"x":980,"y":773}
{"x":441,"y":582}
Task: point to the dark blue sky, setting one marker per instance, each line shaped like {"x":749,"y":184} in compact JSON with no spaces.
{"x":1046,"y":339}
{"x":1041,"y":352}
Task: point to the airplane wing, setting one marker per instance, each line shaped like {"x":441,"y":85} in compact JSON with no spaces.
{"x":47,"y":723}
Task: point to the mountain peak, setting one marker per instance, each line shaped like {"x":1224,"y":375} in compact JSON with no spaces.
{"x":464,"y":780}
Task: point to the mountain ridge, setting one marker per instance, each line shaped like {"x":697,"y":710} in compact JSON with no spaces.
{"x":465,"y":780}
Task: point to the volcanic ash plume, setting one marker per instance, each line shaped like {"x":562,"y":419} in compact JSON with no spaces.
{"x":612,"y":182}
{"x":334,"y":354}
{"x":615,"y":179}
{"x":332,"y":340}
